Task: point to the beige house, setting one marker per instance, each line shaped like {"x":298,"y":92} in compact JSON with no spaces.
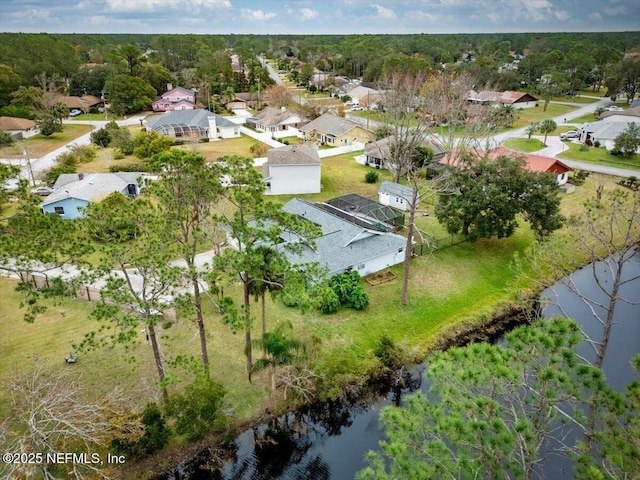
{"x":18,"y":128}
{"x":330,"y":129}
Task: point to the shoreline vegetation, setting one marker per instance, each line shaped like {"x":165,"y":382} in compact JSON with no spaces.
{"x":470,"y":288}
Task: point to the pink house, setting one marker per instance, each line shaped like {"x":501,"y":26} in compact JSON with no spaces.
{"x":175,"y":99}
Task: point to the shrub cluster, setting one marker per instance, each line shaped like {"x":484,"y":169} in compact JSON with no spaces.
{"x":371,"y":176}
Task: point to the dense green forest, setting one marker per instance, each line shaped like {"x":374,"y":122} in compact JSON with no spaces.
{"x":569,"y":62}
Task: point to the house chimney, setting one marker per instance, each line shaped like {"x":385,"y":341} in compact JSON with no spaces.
{"x":213,"y":132}
{"x":169,"y":86}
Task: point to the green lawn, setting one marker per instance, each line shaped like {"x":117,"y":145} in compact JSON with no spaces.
{"x":527,"y":116}
{"x":448,"y":288}
{"x":524,"y":144}
{"x":598,"y":155}
{"x":39,"y":145}
{"x":575,"y":99}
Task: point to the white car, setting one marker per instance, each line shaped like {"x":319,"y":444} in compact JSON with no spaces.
{"x":42,"y":191}
{"x":570,"y":134}
{"x":75,"y":112}
{"x":614,"y":108}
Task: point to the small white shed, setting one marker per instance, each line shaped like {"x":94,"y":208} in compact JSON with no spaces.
{"x":395,"y":195}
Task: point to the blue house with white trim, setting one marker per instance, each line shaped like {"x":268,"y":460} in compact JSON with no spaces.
{"x":73,"y":192}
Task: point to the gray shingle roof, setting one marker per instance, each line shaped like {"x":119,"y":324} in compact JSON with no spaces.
{"x":331,"y":124}
{"x":604,"y":130}
{"x":92,"y":187}
{"x":342,"y":244}
{"x":293,"y":155}
{"x":382,"y":148}
{"x":396,"y":189}
{"x":194,"y":118}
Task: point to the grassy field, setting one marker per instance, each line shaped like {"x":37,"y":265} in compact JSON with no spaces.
{"x":210,"y":150}
{"x":527,"y":116}
{"x":38,"y":145}
{"x":524,"y":144}
{"x":449,"y":287}
{"x":598,"y":155}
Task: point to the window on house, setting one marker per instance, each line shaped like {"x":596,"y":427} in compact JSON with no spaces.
{"x":59,"y":210}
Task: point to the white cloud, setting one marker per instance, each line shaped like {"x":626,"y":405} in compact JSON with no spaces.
{"x":308,"y":14}
{"x":151,"y":5}
{"x":384,"y":13}
{"x":595,"y":16}
{"x":538,"y":10}
{"x":494,"y":17}
{"x":256,"y":14}
{"x":562,"y":15}
{"x":420,"y":16}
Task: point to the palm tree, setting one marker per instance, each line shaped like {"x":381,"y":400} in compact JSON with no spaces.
{"x":269,"y":277}
{"x":547,"y":126}
{"x":279,"y":350}
{"x":531,"y":129}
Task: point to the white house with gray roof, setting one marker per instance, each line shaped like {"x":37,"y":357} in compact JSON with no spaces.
{"x":73,"y":192}
{"x":604,"y":132}
{"x":395,"y":195}
{"x":345,"y":245}
{"x":292,"y":169}
{"x":199,"y":123}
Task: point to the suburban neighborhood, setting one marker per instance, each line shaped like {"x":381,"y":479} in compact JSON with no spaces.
{"x":241,"y":254}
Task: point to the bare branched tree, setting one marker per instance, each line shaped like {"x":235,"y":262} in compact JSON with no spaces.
{"x":51,"y":416}
{"x":457,"y":124}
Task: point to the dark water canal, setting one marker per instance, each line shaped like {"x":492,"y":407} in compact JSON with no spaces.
{"x":329,"y":441}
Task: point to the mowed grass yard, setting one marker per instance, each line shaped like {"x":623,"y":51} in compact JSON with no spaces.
{"x":447,"y":288}
{"x":210,"y":150}
{"x":39,"y":145}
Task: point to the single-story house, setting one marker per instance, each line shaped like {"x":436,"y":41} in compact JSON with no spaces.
{"x":292,"y":169}
{"x":345,"y":245}
{"x":18,"y":128}
{"x":236,"y":104}
{"x":84,"y":103}
{"x":533,"y":163}
{"x":273,"y":119}
{"x":603,"y":131}
{"x":537,"y":163}
{"x":395,"y":195}
{"x":378,"y":154}
{"x":359,"y":93}
{"x":629,"y":115}
{"x":177,"y":98}
{"x":516,"y":99}
{"x":73,"y":192}
{"x":199,"y":123}
{"x":336,"y":131}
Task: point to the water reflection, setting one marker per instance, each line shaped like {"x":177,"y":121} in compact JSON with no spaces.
{"x":329,"y":441}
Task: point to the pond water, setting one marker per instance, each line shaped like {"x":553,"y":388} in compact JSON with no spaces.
{"x":329,"y":441}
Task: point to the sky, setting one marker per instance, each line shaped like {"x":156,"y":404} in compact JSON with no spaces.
{"x":318,"y":16}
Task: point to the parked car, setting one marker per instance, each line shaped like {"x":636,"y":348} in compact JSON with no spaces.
{"x":42,"y":191}
{"x":614,"y":108}
{"x":570,"y":134}
{"x":356,"y":107}
{"x":75,"y":112}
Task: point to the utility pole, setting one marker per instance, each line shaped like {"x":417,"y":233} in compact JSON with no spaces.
{"x":26,"y":154}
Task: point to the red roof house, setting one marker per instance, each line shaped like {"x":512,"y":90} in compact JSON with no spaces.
{"x":533,"y":163}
